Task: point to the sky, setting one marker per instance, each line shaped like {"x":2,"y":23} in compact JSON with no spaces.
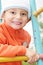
{"x":39,"y":3}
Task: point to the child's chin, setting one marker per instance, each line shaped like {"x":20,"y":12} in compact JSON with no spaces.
{"x":16,"y":28}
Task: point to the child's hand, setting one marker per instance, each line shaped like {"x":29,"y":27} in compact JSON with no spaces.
{"x":33,"y":57}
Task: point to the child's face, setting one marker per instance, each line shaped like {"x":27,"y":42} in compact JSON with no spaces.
{"x":16,"y":18}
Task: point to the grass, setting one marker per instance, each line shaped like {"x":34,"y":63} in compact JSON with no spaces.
{"x":25,"y":63}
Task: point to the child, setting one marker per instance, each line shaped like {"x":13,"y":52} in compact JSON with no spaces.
{"x":13,"y":38}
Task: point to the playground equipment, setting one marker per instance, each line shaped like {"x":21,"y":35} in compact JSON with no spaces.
{"x":9,"y":59}
{"x":38,"y":12}
{"x":36,"y":33}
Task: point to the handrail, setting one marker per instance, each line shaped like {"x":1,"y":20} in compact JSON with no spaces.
{"x":12,"y":59}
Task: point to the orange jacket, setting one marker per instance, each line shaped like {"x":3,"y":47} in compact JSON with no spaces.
{"x":11,"y":42}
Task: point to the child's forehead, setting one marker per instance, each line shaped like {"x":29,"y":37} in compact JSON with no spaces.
{"x":17,"y":9}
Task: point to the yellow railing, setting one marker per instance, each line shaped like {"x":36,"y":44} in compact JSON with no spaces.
{"x":12,"y":59}
{"x":38,"y":12}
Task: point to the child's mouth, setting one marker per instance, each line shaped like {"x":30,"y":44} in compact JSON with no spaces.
{"x":17,"y":22}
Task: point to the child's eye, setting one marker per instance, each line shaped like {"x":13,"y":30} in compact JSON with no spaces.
{"x":13,"y":12}
{"x":23,"y":14}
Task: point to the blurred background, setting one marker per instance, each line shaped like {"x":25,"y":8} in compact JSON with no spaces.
{"x":28,"y":27}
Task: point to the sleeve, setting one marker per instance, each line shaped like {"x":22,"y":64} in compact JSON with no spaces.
{"x":9,"y":50}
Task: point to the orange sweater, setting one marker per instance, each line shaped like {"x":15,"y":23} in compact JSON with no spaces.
{"x":11,"y":42}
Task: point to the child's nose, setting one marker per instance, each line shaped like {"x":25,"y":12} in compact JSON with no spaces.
{"x":18,"y":16}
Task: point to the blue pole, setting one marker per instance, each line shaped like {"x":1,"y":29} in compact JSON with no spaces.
{"x":36,"y":31}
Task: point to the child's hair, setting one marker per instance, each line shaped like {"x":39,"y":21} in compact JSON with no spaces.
{"x":7,"y":4}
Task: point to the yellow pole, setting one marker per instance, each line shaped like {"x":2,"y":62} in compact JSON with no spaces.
{"x":38,"y":12}
{"x":12,"y":59}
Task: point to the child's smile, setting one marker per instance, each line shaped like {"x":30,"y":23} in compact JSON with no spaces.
{"x":16,"y":22}
{"x":16,"y":18}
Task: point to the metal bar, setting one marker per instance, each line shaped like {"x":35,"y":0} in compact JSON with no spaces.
{"x":12,"y":59}
{"x":36,"y":31}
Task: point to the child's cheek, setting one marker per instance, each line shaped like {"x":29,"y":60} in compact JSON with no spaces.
{"x":9,"y":17}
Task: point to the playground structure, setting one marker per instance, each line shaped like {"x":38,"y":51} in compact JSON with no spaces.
{"x":38,"y":12}
{"x":36,"y":33}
